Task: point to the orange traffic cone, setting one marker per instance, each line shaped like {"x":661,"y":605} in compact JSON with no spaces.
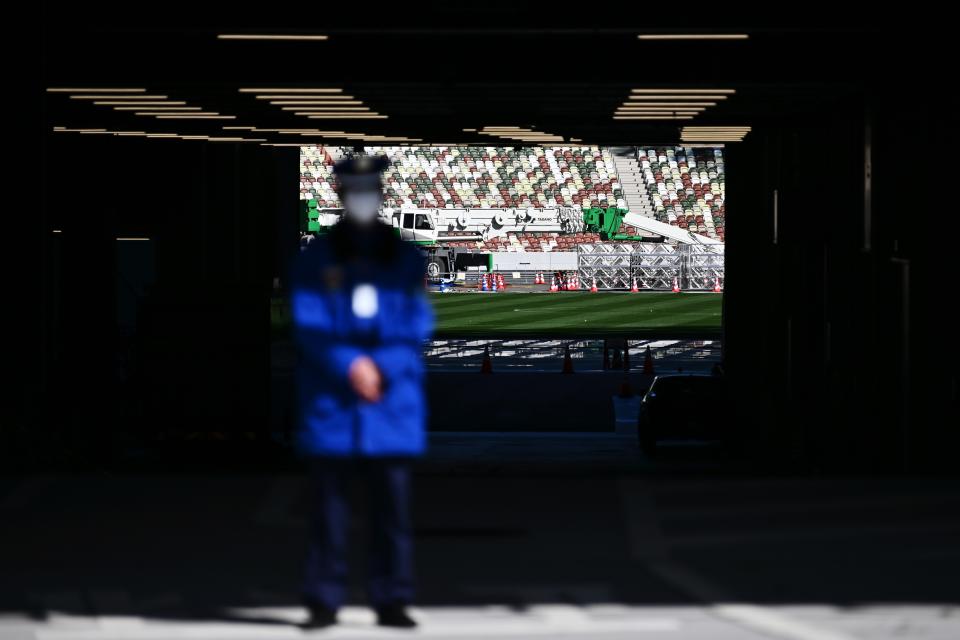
{"x":593,"y":287}
{"x":567,"y":361}
{"x":487,"y":365}
{"x":634,"y":289}
{"x":648,"y":362}
{"x":500,"y":282}
{"x":553,"y":285}
{"x":716,"y":286}
{"x":676,"y":287}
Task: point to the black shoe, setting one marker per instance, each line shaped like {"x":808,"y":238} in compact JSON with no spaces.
{"x":395,"y":615}
{"x":320,"y":617}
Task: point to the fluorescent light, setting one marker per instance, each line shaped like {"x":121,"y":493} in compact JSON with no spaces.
{"x":251,"y":36}
{"x":176,"y":115}
{"x":65,"y":130}
{"x":330,"y":103}
{"x":653,"y":117}
{"x":693,"y":36}
{"x":359,"y":116}
{"x":310,"y":110}
{"x":162,"y":135}
{"x":56,"y":231}
{"x":92,"y":89}
{"x":727,"y":91}
{"x":667,"y":104}
{"x":296,"y":90}
{"x":132,"y":239}
{"x":132,"y":98}
{"x":324,"y":114}
{"x":686,"y":131}
{"x":142,"y":104}
{"x":191,"y":116}
{"x":655,"y":110}
{"x":469,"y":129}
{"x":93,"y":132}
{"x":296,"y":97}
{"x":677,"y":96}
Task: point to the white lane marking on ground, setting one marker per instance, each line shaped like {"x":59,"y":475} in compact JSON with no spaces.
{"x":116,"y":607}
{"x":358,"y":623}
{"x":752,"y":616}
{"x":648,"y":544}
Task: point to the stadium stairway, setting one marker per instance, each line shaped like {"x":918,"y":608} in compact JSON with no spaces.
{"x":631,"y":181}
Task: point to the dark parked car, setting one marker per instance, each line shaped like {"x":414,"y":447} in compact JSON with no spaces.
{"x":683,"y":407}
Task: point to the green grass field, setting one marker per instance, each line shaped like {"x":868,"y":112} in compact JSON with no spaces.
{"x":578,"y":314}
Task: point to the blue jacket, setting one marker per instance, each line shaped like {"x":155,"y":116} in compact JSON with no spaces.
{"x":330,"y":335}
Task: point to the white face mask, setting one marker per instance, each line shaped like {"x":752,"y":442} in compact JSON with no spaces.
{"x":363,"y":206}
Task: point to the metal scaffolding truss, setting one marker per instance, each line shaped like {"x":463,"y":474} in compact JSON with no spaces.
{"x":654,"y":265}
{"x":704,"y":266}
{"x":608,"y":262}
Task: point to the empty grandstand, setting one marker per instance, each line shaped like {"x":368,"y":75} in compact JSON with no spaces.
{"x":681,"y":186}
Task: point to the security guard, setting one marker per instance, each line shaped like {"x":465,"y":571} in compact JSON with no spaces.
{"x":360,"y":317}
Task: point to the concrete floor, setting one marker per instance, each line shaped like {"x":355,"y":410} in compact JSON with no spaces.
{"x":519,"y":535}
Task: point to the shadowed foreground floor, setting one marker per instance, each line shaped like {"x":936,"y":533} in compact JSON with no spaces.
{"x":519,"y":535}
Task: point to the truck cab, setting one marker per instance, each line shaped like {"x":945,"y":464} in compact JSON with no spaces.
{"x":417,"y":226}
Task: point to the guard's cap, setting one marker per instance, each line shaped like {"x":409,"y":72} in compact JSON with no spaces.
{"x":360,"y":172}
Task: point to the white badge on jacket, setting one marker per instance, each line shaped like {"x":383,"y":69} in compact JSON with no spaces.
{"x":365,"y":301}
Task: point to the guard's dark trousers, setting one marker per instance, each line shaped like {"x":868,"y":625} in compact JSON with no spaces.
{"x":390,"y":535}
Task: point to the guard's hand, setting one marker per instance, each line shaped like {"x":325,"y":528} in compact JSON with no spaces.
{"x":365,"y":379}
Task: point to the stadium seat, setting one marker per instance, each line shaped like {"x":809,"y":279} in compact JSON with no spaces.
{"x":685,"y":184}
